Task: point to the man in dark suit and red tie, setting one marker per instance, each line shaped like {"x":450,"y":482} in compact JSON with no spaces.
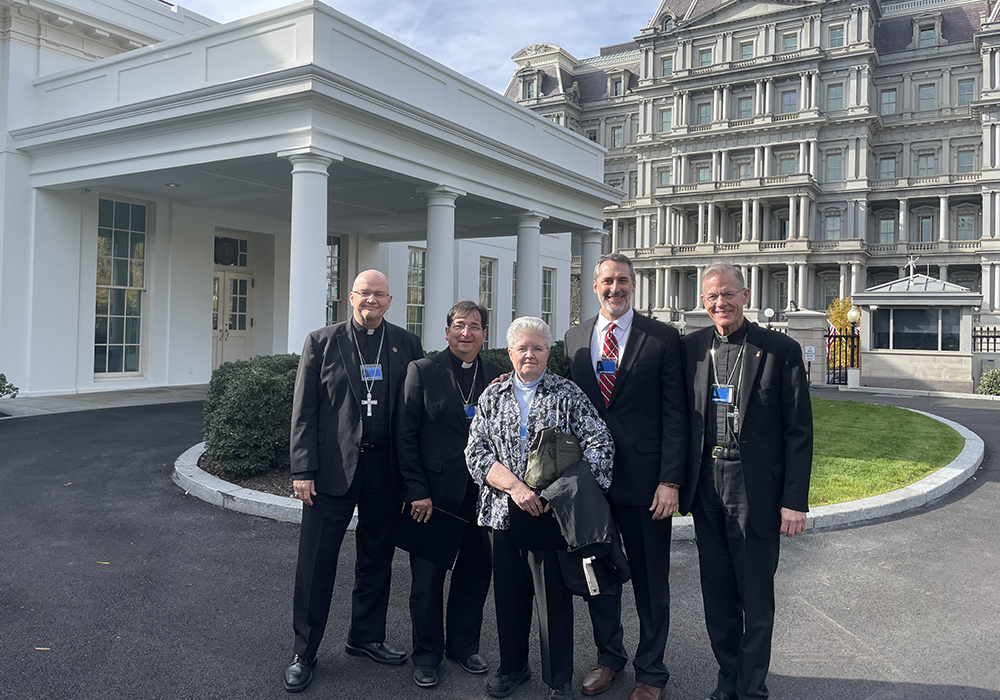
{"x":439,"y":401}
{"x":342,"y":454}
{"x":630,"y":367}
{"x":747,"y":478}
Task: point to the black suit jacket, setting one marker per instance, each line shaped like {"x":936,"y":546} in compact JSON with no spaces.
{"x":647,"y":415}
{"x":433,"y":431}
{"x":326,"y":411}
{"x":775,"y":423}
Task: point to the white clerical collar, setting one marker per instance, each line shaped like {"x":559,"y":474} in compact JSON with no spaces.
{"x":468,"y":365}
{"x":623,"y":322}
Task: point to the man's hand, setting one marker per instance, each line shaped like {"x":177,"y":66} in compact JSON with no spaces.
{"x":527,"y":500}
{"x":792,"y":522}
{"x":421,"y":510}
{"x":665,"y":500}
{"x":305,"y":489}
{"x":502,"y":378}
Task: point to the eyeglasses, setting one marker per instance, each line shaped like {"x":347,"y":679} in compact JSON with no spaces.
{"x":726,"y":296}
{"x":461,"y":328}
{"x":365,"y":293}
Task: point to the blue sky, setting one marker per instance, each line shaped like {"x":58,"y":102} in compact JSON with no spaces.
{"x":475,"y":37}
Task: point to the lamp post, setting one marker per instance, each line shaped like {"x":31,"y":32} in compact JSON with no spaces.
{"x":854,"y":315}
{"x":769,"y":314}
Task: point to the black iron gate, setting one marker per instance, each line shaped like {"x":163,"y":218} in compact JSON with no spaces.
{"x":842,"y":352}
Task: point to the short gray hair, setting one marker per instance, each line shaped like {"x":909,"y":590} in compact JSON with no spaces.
{"x":721,"y":269}
{"x":615,"y":258}
{"x":529,"y":324}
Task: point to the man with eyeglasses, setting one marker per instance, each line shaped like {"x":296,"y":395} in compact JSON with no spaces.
{"x":342,"y":454}
{"x":439,"y":401}
{"x":748,"y":468}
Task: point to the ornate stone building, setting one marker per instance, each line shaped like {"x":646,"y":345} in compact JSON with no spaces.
{"x":818,"y":145}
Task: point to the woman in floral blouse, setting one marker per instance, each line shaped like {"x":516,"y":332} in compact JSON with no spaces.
{"x":509,"y":414}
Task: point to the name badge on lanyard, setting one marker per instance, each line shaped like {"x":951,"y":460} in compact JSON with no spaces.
{"x":370,"y":373}
{"x":524,"y":432}
{"x":606,"y":365}
{"x":470,"y":412}
{"x":723,"y":393}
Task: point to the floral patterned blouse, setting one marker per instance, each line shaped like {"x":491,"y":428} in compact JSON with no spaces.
{"x":494,"y":436}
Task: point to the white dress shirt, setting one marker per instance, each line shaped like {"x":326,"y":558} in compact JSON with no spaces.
{"x":623,"y":324}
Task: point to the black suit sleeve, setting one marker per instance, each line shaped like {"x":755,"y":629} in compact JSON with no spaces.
{"x":674,"y":412}
{"x":411,"y":415}
{"x":304,"y":439}
{"x":797,"y":427}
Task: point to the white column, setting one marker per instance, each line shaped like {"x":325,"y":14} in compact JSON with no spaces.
{"x":440,"y":279}
{"x":904,"y":209}
{"x":658,"y":292}
{"x":792,"y":220}
{"x":758,"y":161}
{"x":716,"y":104}
{"x":755,"y":229}
{"x":791,"y":284}
{"x":701,"y":222}
{"x":856,"y":282}
{"x":843,"y":280}
{"x":803,"y":154}
{"x":590,"y":252}
{"x":986,"y":286}
{"x":802,"y":297}
{"x":698,"y":304}
{"x":755,"y":286}
{"x":943,"y":273}
{"x":813,"y":158}
{"x":768,"y":96}
{"x":307,"y":251}
{"x":668,"y":291}
{"x":804,"y":206}
{"x":726,"y":111}
{"x":758,"y":98}
{"x":529,"y":264}
{"x":987,"y":209}
{"x":943,"y":218}
{"x":804,"y":91}
{"x":814,"y":90}
{"x":711,"y":234}
{"x":766,"y":164}
{"x":745,"y":220}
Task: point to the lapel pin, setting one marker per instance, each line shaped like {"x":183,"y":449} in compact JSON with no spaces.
{"x":758,"y":352}
{"x":395,"y":350}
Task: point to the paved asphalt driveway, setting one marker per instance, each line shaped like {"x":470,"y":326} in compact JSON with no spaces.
{"x":138,"y":591}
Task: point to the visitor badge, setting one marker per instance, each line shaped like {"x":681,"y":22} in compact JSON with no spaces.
{"x":470,"y":412}
{"x":722,"y":393}
{"x":524,"y":432}
{"x":606,"y":366}
{"x":370,"y":373}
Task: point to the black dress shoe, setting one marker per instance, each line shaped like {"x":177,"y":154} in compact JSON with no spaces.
{"x":473,"y":663}
{"x":721,"y":695}
{"x":563,"y":692}
{"x":377,"y":651}
{"x":425,"y":676}
{"x":500,"y":685}
{"x":299,"y":674}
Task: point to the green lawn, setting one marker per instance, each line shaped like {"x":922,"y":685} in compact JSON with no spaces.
{"x":863,"y":450}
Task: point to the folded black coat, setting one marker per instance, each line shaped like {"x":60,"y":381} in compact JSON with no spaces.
{"x":578,"y":526}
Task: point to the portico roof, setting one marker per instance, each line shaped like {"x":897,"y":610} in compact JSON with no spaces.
{"x":917,"y":290}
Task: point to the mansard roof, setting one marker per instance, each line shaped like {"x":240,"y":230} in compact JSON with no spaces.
{"x":958,"y":26}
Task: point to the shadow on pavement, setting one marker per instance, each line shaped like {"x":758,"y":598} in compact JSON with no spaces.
{"x":854,"y":689}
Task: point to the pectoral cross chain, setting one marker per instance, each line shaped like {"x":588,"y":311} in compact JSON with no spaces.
{"x":369,"y":402}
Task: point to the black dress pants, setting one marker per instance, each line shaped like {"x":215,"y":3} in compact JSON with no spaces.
{"x":737,"y":580}
{"x":647,"y":546}
{"x":517,"y":576}
{"x":323,"y":527}
{"x":470,"y":584}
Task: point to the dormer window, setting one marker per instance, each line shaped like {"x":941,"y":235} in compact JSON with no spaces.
{"x":618,"y":82}
{"x":926,"y":37}
{"x":668,"y":24}
{"x":529,"y":89}
{"x":927,"y":31}
{"x":616,"y":87}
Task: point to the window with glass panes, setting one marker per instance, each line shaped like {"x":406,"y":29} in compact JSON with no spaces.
{"x":705,"y":113}
{"x":616,"y":88}
{"x":926,"y":98}
{"x":746,"y":169}
{"x":965,"y":92}
{"x":966,"y":161}
{"x":529,"y":89}
{"x":617,"y":139}
{"x":926,"y":37}
{"x":887,"y":168}
{"x":831,"y":291}
{"x":835,"y":97}
{"x":592,"y":134}
{"x":664,"y":178}
{"x":887,"y":103}
{"x":917,"y":329}
{"x":786,"y":165}
{"x":746,"y":50}
{"x":925,"y":229}
{"x":966,"y":227}
{"x":790,"y":42}
{"x":667,"y":66}
{"x":926,"y":165}
{"x":121,"y":283}
{"x":886,"y":231}
{"x":333,"y":279}
{"x":789,"y":101}
{"x":834,"y":167}
{"x":836,"y":36}
{"x":745,"y":106}
{"x":416,"y":272}
{"x":548,"y":294}
{"x":666,"y":120}
{"x":704,"y":173}
{"x":705,"y":57}
{"x":487,"y":295}
{"x":833,"y":227}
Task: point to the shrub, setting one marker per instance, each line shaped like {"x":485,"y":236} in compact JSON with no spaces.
{"x":556,"y":363}
{"x":989,"y":382}
{"x":248,"y":414}
{"x":6,"y":388}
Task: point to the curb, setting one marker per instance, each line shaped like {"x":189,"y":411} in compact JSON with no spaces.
{"x":203,"y":485}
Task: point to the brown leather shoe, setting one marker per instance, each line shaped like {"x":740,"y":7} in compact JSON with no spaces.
{"x":644,"y":691}
{"x":597,"y":680}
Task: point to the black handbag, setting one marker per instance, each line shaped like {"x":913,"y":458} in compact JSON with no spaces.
{"x":550,"y":452}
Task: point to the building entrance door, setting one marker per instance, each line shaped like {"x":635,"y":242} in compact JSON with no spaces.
{"x":232,"y":316}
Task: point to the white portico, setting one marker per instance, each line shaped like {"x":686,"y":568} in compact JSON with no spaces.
{"x":284,"y":132}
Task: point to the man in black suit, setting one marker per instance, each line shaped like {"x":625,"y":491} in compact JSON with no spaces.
{"x":748,"y":474}
{"x":342,"y":455}
{"x":630,"y":368}
{"x":439,"y":401}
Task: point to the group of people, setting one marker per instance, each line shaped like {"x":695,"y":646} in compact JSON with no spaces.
{"x":717,"y":423}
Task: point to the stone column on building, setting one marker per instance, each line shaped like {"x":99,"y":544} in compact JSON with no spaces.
{"x":790,"y":267}
{"x":745,"y":220}
{"x":814,"y":158}
{"x":724,"y":165}
{"x":701,"y":222}
{"x":857,"y":282}
{"x":439,"y":292}
{"x":615,"y":241}
{"x":590,"y":252}
{"x":684,"y":170}
{"x":851,"y":211}
{"x":755,"y":286}
{"x":529,"y":264}
{"x":758,"y":98}
{"x":668,"y":289}
{"x":900,"y":272}
{"x":805,"y":204}
{"x":804,"y":90}
{"x":943,"y":273}
{"x":904,"y":210}
{"x":758,"y":161}
{"x":307,"y":250}
{"x":803,"y":295}
{"x":943,"y":218}
{"x":768,"y":95}
{"x":793,"y":218}
{"x":803,"y":154}
{"x":699,"y":304}
{"x":986,"y":286}
{"x":987,"y":56}
{"x":712,"y":234}
{"x":659,"y":302}
{"x":755,"y":229}
{"x":716,"y":168}
{"x":843,"y":280}
{"x":716,"y":103}
{"x":814,"y":90}
{"x":987,"y":209}
{"x":726,"y":99}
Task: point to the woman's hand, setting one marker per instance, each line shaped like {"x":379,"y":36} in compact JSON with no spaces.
{"x":527,"y":500}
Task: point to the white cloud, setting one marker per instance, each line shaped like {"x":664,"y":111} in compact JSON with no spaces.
{"x":475,"y":37}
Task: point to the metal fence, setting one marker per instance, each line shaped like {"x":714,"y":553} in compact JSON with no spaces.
{"x":985,"y":339}
{"x":842,"y":353}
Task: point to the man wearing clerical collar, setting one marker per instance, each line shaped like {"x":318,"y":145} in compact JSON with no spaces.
{"x":342,"y":456}
{"x":439,"y":401}
{"x":630,"y":368}
{"x":748,"y":468}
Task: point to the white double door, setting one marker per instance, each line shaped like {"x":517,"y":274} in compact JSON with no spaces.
{"x":232,"y":316}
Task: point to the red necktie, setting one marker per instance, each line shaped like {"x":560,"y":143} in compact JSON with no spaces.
{"x":609,"y":351}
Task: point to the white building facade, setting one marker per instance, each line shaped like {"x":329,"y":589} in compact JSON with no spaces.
{"x":176,"y":193}
{"x":817,"y":145}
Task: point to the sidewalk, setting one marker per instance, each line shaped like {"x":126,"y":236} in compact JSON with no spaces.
{"x":67,"y":403}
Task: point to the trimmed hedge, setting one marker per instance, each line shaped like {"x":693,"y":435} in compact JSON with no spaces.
{"x":556,"y":363}
{"x":989,"y":382}
{"x":248,"y":414}
{"x":6,"y":388}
